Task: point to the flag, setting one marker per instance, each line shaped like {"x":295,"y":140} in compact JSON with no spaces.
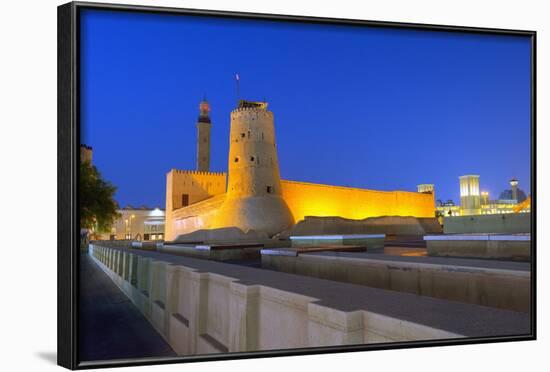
{"x":237,"y":77}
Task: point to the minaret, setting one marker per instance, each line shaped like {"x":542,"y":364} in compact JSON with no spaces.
{"x":514,"y":185}
{"x":254,"y":198}
{"x":203,"y":137}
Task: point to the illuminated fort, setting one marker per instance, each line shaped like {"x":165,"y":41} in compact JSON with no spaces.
{"x":252,"y":196}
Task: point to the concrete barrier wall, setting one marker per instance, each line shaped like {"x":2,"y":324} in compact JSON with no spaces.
{"x":509,"y":223}
{"x":501,"y":288}
{"x":207,"y":312}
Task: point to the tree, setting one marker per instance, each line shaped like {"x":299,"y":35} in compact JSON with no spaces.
{"x":98,"y":209}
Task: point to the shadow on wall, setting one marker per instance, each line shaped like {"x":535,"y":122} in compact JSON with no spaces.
{"x":390,"y":225}
{"x":225,"y":234}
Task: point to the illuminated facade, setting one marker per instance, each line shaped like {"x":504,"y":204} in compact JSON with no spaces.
{"x":256,"y":198}
{"x":426,"y":188}
{"x":470,"y":201}
{"x":447,"y":209}
{"x":138,"y":223}
{"x":475,"y":202}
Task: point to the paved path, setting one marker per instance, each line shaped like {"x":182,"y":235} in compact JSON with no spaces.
{"x":110,"y":326}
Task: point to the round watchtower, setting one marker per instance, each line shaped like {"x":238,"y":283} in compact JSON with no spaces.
{"x":254,"y":198}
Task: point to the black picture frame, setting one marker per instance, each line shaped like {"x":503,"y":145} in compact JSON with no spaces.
{"x":69,"y":159}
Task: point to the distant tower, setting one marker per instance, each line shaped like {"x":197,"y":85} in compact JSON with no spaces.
{"x":514,"y":184}
{"x":426,"y":188}
{"x":85,"y":154}
{"x":203,"y":137}
{"x":484,"y":197}
{"x":469,"y":194}
{"x":254,"y":198}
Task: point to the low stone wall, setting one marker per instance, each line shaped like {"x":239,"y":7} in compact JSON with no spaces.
{"x":509,"y":223}
{"x":508,"y":247}
{"x":203,"y":307}
{"x":215,"y":252}
{"x":496,"y":284}
{"x":365,"y":240}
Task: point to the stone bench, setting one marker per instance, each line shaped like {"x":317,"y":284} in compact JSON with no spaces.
{"x":294,"y":252}
{"x":366,"y":240}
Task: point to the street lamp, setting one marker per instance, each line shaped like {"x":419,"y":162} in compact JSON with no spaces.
{"x":131,"y":217}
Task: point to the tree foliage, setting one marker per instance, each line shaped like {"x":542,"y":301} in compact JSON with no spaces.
{"x":98,"y":209}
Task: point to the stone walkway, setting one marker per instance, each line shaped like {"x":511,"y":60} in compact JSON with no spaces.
{"x":110,"y":326}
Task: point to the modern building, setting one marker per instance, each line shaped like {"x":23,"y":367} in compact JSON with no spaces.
{"x":447,"y":208}
{"x":256,"y":198}
{"x":138,"y":223}
{"x":474,"y":202}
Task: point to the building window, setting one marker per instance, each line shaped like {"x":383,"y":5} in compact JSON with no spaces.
{"x":252,"y":158}
{"x":269,"y":189}
{"x":185,"y":200}
{"x":145,"y":236}
{"x":237,"y":159}
{"x":243,"y":135}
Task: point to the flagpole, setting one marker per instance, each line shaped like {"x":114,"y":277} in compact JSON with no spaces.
{"x":237,"y":80}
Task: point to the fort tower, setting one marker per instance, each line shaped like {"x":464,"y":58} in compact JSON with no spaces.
{"x":203,"y":137}
{"x":254,"y":196}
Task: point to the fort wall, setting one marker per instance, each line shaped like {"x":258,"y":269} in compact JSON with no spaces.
{"x":189,"y":187}
{"x":303,"y":199}
{"x":310,"y":199}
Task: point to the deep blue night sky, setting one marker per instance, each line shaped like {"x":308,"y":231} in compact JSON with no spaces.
{"x":366,"y":107}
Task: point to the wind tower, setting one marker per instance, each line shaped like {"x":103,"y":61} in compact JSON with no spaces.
{"x":470,"y":201}
{"x":254,"y":197}
{"x":203,"y":137}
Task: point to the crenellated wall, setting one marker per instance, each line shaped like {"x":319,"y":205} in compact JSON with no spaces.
{"x":303,"y":199}
{"x":198,"y":185}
